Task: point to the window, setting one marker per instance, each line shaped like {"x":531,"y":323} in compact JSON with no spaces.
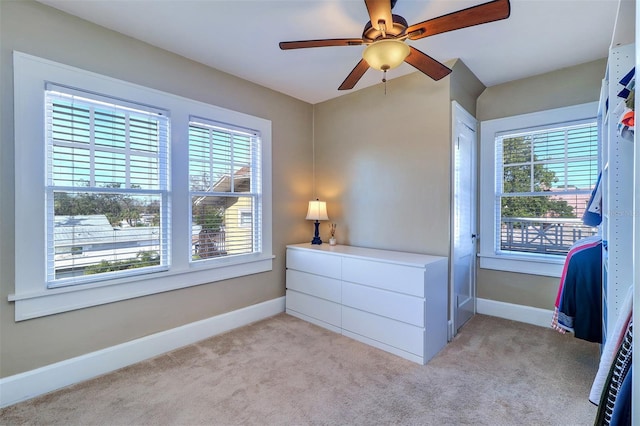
{"x":105,"y":196}
{"x":544,"y":171}
{"x":224,"y":171}
{"x":106,"y":168}
{"x":245,"y":219}
{"x":544,"y":180}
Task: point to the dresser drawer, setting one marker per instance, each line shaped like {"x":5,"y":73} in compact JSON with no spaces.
{"x":314,"y":263}
{"x":388,"y":276}
{"x":400,"y":335}
{"x":388,"y":304}
{"x":314,"y":307}
{"x":314,"y":285}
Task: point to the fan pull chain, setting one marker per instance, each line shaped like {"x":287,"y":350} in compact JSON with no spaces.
{"x":384,"y":80}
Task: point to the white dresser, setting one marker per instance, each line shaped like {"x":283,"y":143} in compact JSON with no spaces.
{"x":392,"y":300}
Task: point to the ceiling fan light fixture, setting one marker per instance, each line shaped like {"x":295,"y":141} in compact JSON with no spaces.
{"x":386,"y":54}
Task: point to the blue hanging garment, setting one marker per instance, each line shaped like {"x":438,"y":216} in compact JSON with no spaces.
{"x":593,"y":213}
{"x":578,"y":307}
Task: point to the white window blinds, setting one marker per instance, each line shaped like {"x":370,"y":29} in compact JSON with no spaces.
{"x":224,"y":180}
{"x":107,"y":187}
{"x":544,"y":178}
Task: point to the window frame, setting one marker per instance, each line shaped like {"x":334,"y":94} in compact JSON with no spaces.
{"x":253,"y":164}
{"x":56,"y":94}
{"x":534,"y":264}
{"x":32,"y":298}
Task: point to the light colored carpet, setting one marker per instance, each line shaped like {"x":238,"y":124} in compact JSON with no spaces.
{"x":284,"y":371}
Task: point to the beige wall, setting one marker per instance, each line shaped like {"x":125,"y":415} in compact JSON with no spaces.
{"x":565,"y":87}
{"x":383,"y":162}
{"x":39,"y":30}
{"x":382,"y":165}
{"x":568,"y":86}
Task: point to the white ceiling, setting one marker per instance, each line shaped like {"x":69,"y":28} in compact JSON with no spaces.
{"x":241,"y":37}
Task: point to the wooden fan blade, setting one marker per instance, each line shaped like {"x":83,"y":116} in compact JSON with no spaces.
{"x":379,"y":13}
{"x":475,"y":15}
{"x":427,"y":64}
{"x":286,"y":45}
{"x":355,"y":75}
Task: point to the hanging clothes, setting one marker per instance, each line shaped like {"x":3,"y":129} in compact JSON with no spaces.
{"x":621,"y":415}
{"x":612,"y":398}
{"x":625,"y":109}
{"x":611,"y":346}
{"x":576,"y":247}
{"x":593,"y":213}
{"x":578,"y":306}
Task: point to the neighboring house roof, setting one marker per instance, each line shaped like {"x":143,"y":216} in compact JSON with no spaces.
{"x":241,"y":183}
{"x":85,"y":228}
{"x":96,"y":229}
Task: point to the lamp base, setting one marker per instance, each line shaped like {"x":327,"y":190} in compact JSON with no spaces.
{"x":316,"y":238}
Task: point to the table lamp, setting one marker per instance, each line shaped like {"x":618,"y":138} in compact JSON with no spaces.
{"x":317,"y":211}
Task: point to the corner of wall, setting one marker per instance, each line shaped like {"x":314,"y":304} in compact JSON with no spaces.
{"x":465,"y":86}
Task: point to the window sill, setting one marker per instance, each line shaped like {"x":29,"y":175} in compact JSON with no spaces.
{"x":58,"y":300}
{"x":532,"y":264}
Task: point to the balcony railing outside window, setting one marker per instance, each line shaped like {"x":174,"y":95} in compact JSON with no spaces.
{"x":542,"y":235}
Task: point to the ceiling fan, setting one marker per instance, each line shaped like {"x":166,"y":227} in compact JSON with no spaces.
{"x":385,"y":35}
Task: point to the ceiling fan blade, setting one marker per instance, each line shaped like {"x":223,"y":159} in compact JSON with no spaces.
{"x":355,"y":75}
{"x":286,"y":45}
{"x":475,"y":15}
{"x":427,"y":64}
{"x":379,"y":13}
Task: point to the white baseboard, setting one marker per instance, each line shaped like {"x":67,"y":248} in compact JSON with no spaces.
{"x":23,"y":386}
{"x":522,"y":313}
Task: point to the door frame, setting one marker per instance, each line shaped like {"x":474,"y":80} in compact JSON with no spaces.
{"x":458,"y":113}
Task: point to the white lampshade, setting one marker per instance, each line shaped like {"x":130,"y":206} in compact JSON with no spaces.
{"x":386,"y":54}
{"x":317,"y":210}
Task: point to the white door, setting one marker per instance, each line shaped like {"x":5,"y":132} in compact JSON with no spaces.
{"x":463,"y":221}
